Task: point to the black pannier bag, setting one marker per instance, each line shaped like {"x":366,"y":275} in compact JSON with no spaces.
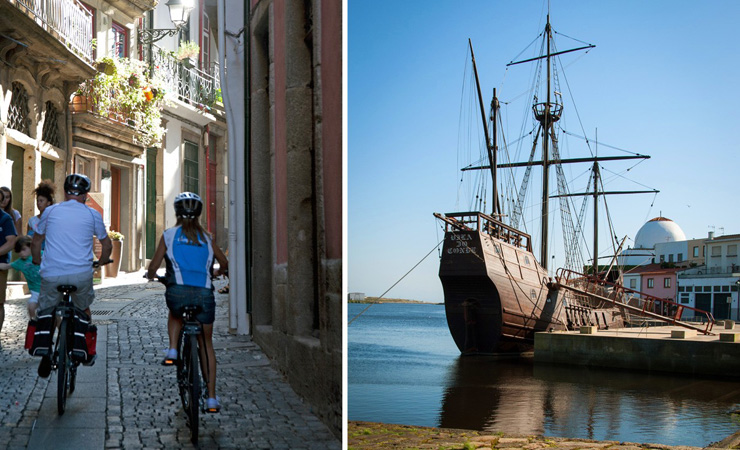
{"x":79,"y":343}
{"x":41,"y":345}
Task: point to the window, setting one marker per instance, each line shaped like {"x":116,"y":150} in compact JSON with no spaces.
{"x":680,"y":257}
{"x":707,"y":289}
{"x":716,"y":251}
{"x":696,"y":251}
{"x":666,"y":282}
{"x":50,"y":133}
{"x":681,"y":288}
{"x":725,"y":288}
{"x":670,"y":257}
{"x":689,"y":288}
{"x":18,"y":113}
{"x":650,"y":283}
{"x":662,"y":258}
{"x":684,"y":298}
{"x":120,"y":40}
{"x":190,"y":167}
{"x":633,"y":283}
{"x":717,"y":288}
{"x":85,"y":167}
{"x":205,"y":48}
{"x":732,"y":250}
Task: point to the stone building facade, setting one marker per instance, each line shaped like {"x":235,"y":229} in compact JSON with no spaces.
{"x":294,"y":149}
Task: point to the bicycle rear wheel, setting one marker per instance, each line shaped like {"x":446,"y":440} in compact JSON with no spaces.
{"x":182,"y":372}
{"x":62,"y":368}
{"x":193,"y":387}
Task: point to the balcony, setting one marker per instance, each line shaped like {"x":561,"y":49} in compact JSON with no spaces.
{"x":66,"y":21}
{"x":121,"y":94}
{"x":198,"y":88}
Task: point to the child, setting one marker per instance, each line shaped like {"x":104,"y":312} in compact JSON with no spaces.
{"x":30,"y":271}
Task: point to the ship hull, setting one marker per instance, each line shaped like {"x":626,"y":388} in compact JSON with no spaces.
{"x":496,"y":294}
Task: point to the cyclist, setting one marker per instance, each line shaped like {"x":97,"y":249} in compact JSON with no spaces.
{"x":67,"y":229}
{"x":188,"y":251}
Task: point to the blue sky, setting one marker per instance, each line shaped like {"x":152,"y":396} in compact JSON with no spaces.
{"x":661,"y":81}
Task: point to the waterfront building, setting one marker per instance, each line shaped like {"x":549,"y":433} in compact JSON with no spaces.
{"x":659,"y":230}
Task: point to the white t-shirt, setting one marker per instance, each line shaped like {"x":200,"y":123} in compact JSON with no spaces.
{"x":69,"y":228}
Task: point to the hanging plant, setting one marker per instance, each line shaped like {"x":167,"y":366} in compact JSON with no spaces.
{"x":123,"y":91}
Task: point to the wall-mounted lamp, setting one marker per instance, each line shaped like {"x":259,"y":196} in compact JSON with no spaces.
{"x":179,"y":14}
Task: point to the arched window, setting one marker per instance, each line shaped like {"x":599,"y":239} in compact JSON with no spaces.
{"x":51,"y":127}
{"x":18,"y":112}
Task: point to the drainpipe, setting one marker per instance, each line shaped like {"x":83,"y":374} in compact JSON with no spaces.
{"x":238,"y":319}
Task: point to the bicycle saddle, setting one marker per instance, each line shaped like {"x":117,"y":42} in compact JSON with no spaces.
{"x":66,"y":288}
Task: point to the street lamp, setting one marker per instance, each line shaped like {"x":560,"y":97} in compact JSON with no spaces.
{"x":179,"y":14}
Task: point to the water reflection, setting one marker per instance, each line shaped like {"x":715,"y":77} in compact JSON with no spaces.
{"x":518,"y":396}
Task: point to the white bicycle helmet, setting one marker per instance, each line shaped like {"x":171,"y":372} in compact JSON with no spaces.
{"x":77,"y":184}
{"x":188,"y":205}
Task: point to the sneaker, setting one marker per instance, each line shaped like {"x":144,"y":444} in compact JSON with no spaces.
{"x":90,"y":360}
{"x":213,"y":405}
{"x":45,"y":367}
{"x":170,"y":358}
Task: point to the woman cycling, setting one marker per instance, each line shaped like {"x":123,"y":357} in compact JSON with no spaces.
{"x":188,"y":251}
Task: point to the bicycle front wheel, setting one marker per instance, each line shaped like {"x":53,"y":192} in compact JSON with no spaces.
{"x":62,"y":368}
{"x":193,"y":387}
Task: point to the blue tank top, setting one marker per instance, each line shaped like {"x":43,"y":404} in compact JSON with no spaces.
{"x":188,"y":264}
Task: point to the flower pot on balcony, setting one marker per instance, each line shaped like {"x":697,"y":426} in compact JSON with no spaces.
{"x":112,"y":269}
{"x":79,"y":103}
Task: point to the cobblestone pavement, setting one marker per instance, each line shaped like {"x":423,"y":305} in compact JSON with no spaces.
{"x":142,"y":406}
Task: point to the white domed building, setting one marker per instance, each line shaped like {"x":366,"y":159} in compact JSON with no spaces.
{"x":661,"y":232}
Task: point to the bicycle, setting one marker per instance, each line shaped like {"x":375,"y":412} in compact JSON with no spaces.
{"x":63,"y":359}
{"x":191,"y":382}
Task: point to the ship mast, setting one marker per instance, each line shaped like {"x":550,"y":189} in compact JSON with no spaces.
{"x":491,"y":147}
{"x":547,"y":114}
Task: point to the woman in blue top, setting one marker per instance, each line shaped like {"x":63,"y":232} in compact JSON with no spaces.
{"x":189,"y":253}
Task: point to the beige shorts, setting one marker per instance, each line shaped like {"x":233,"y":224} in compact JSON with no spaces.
{"x":82,"y":298}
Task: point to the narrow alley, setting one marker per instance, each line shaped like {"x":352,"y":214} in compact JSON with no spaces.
{"x":127,"y":400}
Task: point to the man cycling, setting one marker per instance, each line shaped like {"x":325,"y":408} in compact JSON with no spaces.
{"x":68,"y":228}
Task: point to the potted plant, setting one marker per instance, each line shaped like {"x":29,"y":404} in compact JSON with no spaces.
{"x":187,"y":51}
{"x":111,"y":270}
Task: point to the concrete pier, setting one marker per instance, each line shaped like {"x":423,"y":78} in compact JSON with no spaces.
{"x":661,"y":348}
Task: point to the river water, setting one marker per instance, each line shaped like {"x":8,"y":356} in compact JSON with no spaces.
{"x":404,"y":368}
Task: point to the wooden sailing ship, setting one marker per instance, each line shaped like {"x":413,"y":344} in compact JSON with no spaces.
{"x":497,"y":293}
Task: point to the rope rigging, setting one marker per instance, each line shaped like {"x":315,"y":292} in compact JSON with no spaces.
{"x":394,"y":284}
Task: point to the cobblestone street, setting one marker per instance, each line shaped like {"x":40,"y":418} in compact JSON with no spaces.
{"x":137,"y":405}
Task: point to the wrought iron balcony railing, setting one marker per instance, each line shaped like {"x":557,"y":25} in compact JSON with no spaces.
{"x":191,"y":85}
{"x":67,"y":20}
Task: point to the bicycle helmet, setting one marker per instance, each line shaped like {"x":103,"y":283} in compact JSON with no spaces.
{"x":77,"y":184}
{"x":188,"y":205}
